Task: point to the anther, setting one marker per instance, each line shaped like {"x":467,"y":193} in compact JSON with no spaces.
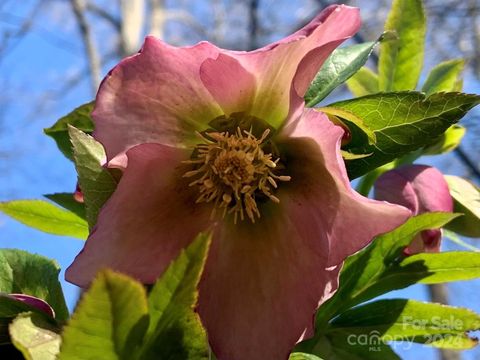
{"x":232,"y":170}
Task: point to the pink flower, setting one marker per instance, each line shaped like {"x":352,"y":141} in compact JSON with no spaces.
{"x":217,"y":140}
{"x":421,"y":189}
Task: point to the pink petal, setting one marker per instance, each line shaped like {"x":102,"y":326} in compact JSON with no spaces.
{"x":148,"y":219}
{"x":348,"y":220}
{"x":421,"y":188}
{"x":262,"y":284}
{"x":230,"y":84}
{"x":35,"y":302}
{"x":428,"y":241}
{"x":154,"y":96}
{"x":284,"y":69}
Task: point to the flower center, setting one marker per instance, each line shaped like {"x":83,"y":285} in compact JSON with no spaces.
{"x":233,"y":171}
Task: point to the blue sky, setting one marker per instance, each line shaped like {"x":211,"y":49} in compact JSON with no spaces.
{"x":35,"y":167}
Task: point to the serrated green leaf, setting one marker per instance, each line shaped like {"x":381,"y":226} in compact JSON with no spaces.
{"x":409,"y":320}
{"x":339,"y":67}
{"x":466,"y":198}
{"x":402,"y":122}
{"x":46,"y":217}
{"x":115,"y":321}
{"x":365,"y":274}
{"x":444,"y":77}
{"x":79,"y":118}
{"x":109,"y":321}
{"x":68,"y":202}
{"x":35,"y":336}
{"x":400,"y":61}
{"x":175,"y":330}
{"x":30,"y":274}
{"x":96,"y":182}
{"x":364,"y":82}
{"x":447,"y":142}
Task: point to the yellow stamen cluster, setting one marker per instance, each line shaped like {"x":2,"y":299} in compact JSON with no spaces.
{"x":233,"y":171}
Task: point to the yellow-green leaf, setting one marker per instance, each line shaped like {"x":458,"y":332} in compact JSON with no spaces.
{"x":401,"y":60}
{"x":46,"y":217}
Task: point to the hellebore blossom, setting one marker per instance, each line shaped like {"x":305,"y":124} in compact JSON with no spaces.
{"x":421,"y":189}
{"x":217,"y":140}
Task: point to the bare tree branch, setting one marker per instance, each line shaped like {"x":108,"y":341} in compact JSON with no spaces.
{"x":23,"y":30}
{"x":78,"y":7}
{"x":187,"y":19}
{"x":102,"y":13}
{"x":253,"y":25}
{"x":133,"y":15}
{"x":157,"y":18}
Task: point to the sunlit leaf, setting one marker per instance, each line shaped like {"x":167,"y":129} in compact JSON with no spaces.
{"x":37,"y":337}
{"x":364,"y":82}
{"x":466,"y":198}
{"x":68,"y":202}
{"x":444,"y":77}
{"x":175,"y":330}
{"x":369,"y":273}
{"x":109,"y":321}
{"x":447,"y":142}
{"x":400,"y":61}
{"x":79,"y":118}
{"x":410,"y":320}
{"x":402,"y":122}
{"x":96,"y":182}
{"x":46,"y":217}
{"x":31,"y":274}
{"x":339,"y":67}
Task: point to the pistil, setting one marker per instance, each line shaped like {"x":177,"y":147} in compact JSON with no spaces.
{"x":233,"y":172}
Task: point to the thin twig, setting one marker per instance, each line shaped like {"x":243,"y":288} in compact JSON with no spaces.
{"x":78,"y":7}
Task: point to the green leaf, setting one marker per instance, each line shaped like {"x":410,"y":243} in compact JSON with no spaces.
{"x":447,"y":142}
{"x":350,"y":120}
{"x":9,"y":309}
{"x":67,"y":201}
{"x":35,"y":336}
{"x":30,"y":274}
{"x":366,"y":274}
{"x":303,"y":356}
{"x":444,"y":77}
{"x":364,"y":82}
{"x":339,"y":67}
{"x":409,"y":320}
{"x":79,"y":118}
{"x":400,"y":61}
{"x":96,"y":182}
{"x":109,"y":321}
{"x":344,"y":346}
{"x":436,"y":268}
{"x":466,"y":198}
{"x":46,"y":217}
{"x":402,"y":122}
{"x":115,"y":321}
{"x":175,"y":330}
